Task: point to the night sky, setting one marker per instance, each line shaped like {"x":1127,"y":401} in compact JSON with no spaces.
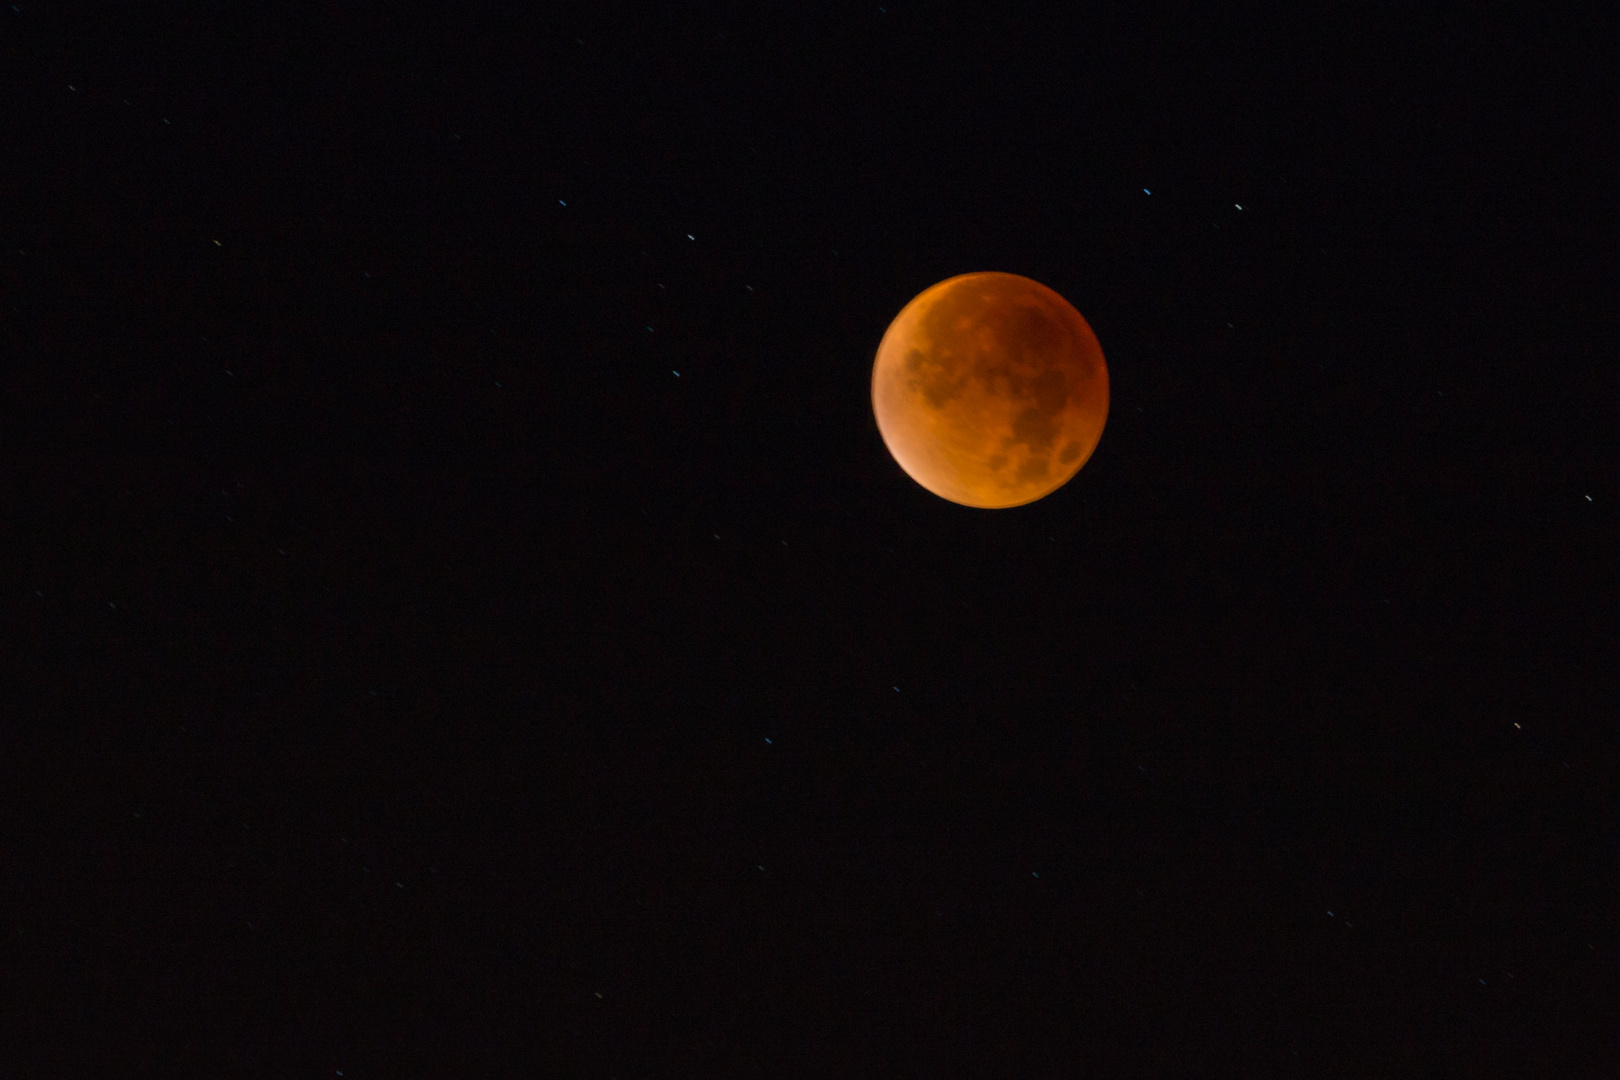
{"x":462,"y":619}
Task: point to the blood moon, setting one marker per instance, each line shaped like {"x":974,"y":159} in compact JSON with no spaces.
{"x":990,"y":390}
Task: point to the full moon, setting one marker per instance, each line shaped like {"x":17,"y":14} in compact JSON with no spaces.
{"x":990,"y":390}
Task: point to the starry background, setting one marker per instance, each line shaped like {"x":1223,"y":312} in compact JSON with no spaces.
{"x":464,"y":620}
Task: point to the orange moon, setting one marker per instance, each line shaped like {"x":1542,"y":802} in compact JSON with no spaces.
{"x":990,"y":390}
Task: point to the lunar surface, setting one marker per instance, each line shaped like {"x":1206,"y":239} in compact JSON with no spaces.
{"x":990,"y":390}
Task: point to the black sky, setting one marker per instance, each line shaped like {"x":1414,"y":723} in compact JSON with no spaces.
{"x":464,"y":620}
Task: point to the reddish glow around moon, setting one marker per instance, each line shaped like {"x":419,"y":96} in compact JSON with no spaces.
{"x":990,"y":390}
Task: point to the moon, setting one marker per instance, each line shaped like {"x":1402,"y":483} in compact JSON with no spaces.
{"x":990,"y":390}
